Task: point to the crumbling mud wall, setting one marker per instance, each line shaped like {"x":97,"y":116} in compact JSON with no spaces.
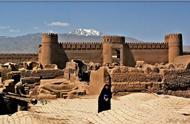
{"x":97,"y":80}
{"x":45,"y":74}
{"x":136,"y":87}
{"x":134,"y":75}
{"x":71,"y":71}
{"x":177,"y":82}
{"x":165,"y":79}
{"x":126,"y":79}
{"x":176,"y":79}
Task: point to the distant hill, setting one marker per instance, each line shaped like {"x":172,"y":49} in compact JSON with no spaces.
{"x":21,"y":44}
{"x":186,"y":48}
{"x":29,"y":43}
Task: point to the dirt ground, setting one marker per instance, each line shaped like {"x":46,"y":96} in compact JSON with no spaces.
{"x":136,"y":108}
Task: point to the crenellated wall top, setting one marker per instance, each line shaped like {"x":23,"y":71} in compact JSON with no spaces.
{"x":81,"y":45}
{"x":151,"y":45}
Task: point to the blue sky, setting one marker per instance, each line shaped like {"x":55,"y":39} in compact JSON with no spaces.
{"x":148,"y":21}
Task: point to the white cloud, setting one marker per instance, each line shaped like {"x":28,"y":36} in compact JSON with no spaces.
{"x":59,"y":24}
{"x":14,"y":30}
{"x":4,"y":27}
{"x":9,"y":29}
{"x":36,"y":28}
{"x":51,"y":31}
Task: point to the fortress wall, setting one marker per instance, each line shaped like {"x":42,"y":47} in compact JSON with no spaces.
{"x":17,"y":58}
{"x":149,"y":52}
{"x":84,"y":51}
{"x":151,"y":56}
{"x":86,"y":55}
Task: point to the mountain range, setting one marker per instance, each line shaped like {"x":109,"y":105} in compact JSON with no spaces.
{"x":29,"y":43}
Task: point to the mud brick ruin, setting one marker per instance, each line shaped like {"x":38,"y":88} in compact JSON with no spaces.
{"x":133,"y":67}
{"x":112,"y":49}
{"x":118,"y":60}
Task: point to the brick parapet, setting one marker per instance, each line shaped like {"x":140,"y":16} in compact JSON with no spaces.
{"x":96,"y":45}
{"x":150,"y":45}
{"x":49,"y":38}
{"x":81,"y":46}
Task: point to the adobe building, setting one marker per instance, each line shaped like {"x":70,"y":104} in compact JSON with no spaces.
{"x":112,"y":49}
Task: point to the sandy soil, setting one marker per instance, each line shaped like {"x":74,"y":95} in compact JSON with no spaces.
{"x":137,"y":108}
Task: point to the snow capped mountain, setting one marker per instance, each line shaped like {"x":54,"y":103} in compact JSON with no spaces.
{"x":86,"y":32}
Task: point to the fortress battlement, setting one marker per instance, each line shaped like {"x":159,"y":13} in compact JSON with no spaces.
{"x":49,"y":38}
{"x":173,"y":34}
{"x":174,"y":38}
{"x":98,"y":45}
{"x":50,"y":34}
{"x":83,"y":45}
{"x":151,"y":45}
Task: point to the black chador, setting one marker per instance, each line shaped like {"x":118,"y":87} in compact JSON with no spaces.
{"x":104,"y":100}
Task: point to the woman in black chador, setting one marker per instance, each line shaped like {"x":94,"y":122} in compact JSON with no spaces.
{"x":104,"y":100}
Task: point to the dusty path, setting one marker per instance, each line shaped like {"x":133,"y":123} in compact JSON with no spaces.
{"x":138,"y":108}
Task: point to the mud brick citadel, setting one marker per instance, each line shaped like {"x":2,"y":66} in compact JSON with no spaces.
{"x":159,"y":68}
{"x":112,"y":49}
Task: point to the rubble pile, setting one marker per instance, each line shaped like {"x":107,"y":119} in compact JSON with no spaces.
{"x":60,"y":88}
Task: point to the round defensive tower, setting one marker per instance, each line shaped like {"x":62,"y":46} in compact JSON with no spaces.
{"x":48,"y":48}
{"x":175,"y":46}
{"x":108,"y":44}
